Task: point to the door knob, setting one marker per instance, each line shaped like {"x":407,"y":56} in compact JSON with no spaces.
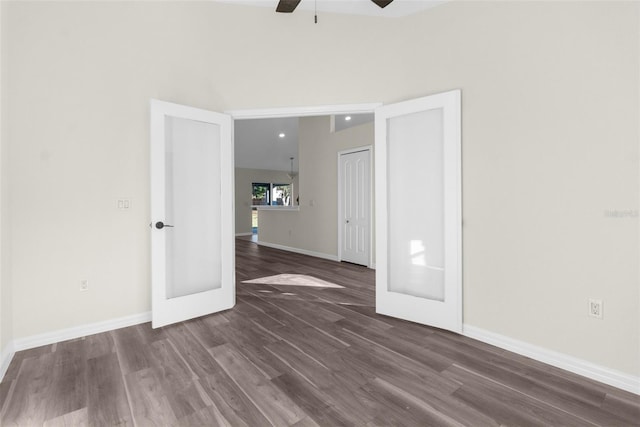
{"x":347,"y":221}
{"x":160,"y":225}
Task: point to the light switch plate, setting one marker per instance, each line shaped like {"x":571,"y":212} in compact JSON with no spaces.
{"x":124,"y":204}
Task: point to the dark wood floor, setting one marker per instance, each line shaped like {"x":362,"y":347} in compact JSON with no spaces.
{"x":297,"y":356}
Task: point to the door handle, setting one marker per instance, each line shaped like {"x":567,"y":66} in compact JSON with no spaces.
{"x":160,"y":225}
{"x":347,"y":221}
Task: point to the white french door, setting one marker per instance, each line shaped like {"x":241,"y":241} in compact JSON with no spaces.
{"x":354,"y":206}
{"x":192,"y":222}
{"x":418,"y":210}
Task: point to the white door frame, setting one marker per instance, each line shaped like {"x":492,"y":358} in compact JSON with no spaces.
{"x":319,"y":110}
{"x":369,"y":150}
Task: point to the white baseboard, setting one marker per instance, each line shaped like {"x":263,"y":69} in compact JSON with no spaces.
{"x":590,"y":370}
{"x":244,"y":234}
{"x":67,"y":334}
{"x":5,"y":359}
{"x":80,"y":331}
{"x":299,"y":251}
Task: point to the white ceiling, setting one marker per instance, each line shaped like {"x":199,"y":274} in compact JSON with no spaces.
{"x":396,"y":9}
{"x":258,"y":146}
{"x":341,"y":122}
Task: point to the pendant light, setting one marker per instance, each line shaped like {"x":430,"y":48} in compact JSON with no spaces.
{"x":292,"y":174}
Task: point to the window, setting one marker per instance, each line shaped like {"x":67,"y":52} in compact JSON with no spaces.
{"x":260,"y":194}
{"x":265,"y":194}
{"x":281,"y":194}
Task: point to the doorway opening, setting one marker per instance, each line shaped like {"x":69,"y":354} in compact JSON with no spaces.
{"x":267,"y":154}
{"x":254,"y":223}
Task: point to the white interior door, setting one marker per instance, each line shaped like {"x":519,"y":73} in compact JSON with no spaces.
{"x":418,"y":211}
{"x":192,"y":241}
{"x":354,"y":222}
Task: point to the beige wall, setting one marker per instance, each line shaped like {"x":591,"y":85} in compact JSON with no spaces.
{"x":243,"y":180}
{"x":3,"y":315}
{"x":3,"y":284}
{"x":314,"y":227}
{"x":6,"y":306}
{"x":550,"y":142}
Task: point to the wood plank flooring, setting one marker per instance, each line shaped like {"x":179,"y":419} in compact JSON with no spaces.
{"x":297,"y":356}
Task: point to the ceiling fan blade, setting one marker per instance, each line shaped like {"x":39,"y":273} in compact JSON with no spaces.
{"x":382,"y":3}
{"x":287,"y":6}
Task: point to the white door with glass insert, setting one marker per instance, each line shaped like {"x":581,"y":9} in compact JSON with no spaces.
{"x":354,"y":222}
{"x":418,"y":211}
{"x":192,"y":223}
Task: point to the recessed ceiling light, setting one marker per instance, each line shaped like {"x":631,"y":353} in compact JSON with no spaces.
{"x":347,"y":118}
{"x":282,"y":135}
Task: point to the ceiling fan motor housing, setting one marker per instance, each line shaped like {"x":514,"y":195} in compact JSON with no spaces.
{"x":288,"y":6}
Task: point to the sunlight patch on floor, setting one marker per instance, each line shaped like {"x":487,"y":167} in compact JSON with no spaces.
{"x":294,"y":280}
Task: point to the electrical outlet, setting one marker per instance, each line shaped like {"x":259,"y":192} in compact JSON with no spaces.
{"x":84,"y":285}
{"x":595,"y":308}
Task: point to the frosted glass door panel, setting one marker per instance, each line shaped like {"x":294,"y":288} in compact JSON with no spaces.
{"x":415,"y":155}
{"x":192,"y":206}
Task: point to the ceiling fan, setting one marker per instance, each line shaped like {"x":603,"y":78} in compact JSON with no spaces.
{"x":288,"y":6}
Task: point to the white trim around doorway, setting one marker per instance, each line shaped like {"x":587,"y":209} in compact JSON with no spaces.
{"x":319,"y":110}
{"x":310,"y":111}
